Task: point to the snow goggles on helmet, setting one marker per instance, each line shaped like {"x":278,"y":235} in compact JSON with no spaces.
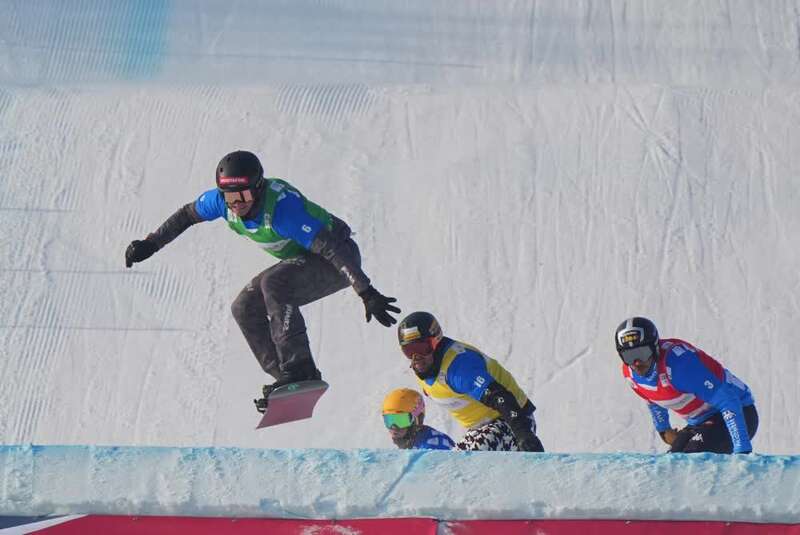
{"x":631,"y":355}
{"x":418,"y":347}
{"x":400,"y":420}
{"x":233,"y":197}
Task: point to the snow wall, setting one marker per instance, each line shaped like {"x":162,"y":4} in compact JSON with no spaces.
{"x":700,"y":65}
{"x":337,"y":484}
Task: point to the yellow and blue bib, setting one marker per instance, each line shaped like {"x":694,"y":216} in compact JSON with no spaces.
{"x":463,"y":376}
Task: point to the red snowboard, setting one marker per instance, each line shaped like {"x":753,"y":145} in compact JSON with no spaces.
{"x":292,"y":402}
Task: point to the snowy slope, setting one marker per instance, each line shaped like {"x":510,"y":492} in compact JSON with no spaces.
{"x":532,"y":173}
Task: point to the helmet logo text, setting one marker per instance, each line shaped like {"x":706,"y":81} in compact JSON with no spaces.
{"x":410,"y":333}
{"x":234,"y":181}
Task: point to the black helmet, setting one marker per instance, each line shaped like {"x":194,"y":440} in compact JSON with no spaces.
{"x":418,"y":326}
{"x":635,"y":333}
{"x":238,"y":171}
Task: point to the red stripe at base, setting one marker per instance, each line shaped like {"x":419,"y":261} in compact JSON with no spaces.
{"x":173,"y":525}
{"x":615,"y":527}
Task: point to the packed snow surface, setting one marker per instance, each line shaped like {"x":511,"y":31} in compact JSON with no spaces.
{"x":530,"y":172}
{"x":302,"y":483}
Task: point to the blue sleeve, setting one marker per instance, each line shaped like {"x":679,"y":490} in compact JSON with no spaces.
{"x":660,"y":417}
{"x":468,"y":374}
{"x":730,"y":406}
{"x":210,"y":205}
{"x":431,"y":439}
{"x":291,"y":220}
{"x":447,"y":442}
{"x":689,"y":374}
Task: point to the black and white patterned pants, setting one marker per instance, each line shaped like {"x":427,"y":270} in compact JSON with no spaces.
{"x":492,"y":436}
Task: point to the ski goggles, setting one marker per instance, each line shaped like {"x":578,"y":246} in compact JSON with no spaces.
{"x":400,"y":420}
{"x":418,"y":347}
{"x":234,"y":197}
{"x":631,"y":355}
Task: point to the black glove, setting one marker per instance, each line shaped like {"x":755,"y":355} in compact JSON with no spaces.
{"x":379,"y":306}
{"x":669,"y":435}
{"x":523,"y":435}
{"x":139,"y":250}
{"x":681,"y":440}
{"x":500,"y":399}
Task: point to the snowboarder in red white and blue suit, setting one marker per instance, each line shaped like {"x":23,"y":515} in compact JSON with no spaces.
{"x":672,"y":374}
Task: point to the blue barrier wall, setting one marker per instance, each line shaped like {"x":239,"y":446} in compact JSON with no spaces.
{"x":54,"y":480}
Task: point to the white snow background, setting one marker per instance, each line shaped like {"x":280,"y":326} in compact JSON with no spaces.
{"x":530,"y":172}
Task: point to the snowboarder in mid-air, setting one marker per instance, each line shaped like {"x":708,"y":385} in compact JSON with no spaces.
{"x":317,"y":257}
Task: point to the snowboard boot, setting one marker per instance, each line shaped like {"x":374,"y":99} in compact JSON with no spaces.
{"x":306,"y":372}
